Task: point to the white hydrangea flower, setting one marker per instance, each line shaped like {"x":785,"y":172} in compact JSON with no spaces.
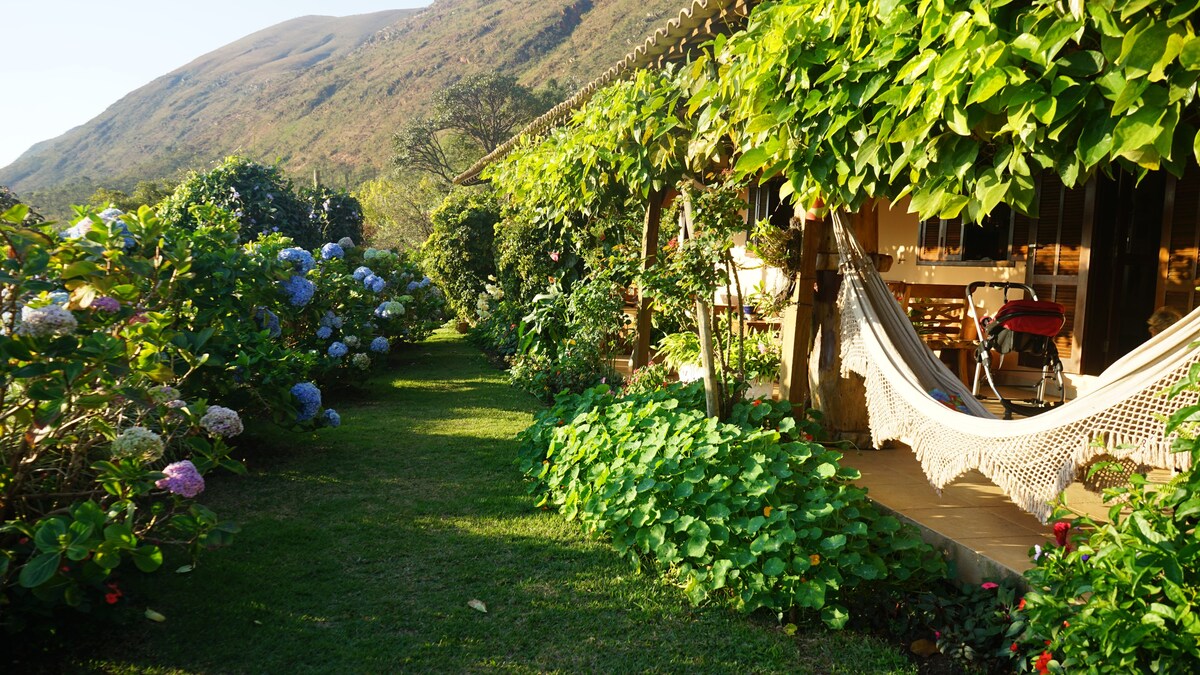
{"x":48,"y":321}
{"x":221,"y":421}
{"x":138,"y":443}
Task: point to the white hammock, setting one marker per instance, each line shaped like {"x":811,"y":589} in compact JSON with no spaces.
{"x":1033,"y":459}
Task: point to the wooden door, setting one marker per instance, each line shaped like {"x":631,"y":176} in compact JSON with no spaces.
{"x":1177,"y":266}
{"x":1059,"y":253}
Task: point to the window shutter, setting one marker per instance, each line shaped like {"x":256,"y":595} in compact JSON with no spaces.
{"x":952,"y":246}
{"x":931,"y":240}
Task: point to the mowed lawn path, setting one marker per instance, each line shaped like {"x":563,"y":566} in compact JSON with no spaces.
{"x":362,"y":546}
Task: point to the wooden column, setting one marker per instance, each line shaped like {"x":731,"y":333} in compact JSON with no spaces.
{"x":841,"y":400}
{"x":797,"y":318}
{"x":645,"y":312}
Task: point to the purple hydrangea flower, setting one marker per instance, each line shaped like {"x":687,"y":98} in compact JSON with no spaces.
{"x":332,"y":418}
{"x":299,"y":290}
{"x":380,"y":345}
{"x":324,"y":332}
{"x":220,"y":421}
{"x":309,"y":398}
{"x":337,"y":350}
{"x":301,"y":260}
{"x":331,"y":250}
{"x":181,"y":478}
{"x":106,"y":304}
{"x":362,"y":272}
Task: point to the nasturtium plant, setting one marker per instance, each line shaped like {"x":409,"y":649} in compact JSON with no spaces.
{"x":751,"y":510}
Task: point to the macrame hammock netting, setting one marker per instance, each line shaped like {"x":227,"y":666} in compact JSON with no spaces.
{"x":1032,"y":459}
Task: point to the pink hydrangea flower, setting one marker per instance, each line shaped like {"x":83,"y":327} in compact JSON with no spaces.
{"x":181,"y":478}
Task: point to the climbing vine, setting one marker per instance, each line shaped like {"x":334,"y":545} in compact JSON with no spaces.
{"x":957,"y":104}
{"x":631,"y":137}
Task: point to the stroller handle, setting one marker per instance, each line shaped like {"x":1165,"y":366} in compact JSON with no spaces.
{"x":1006,"y":286}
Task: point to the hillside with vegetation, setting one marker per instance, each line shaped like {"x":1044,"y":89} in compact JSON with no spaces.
{"x":327,"y":93}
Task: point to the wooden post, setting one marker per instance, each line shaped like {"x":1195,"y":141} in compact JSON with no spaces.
{"x":645,"y":312}
{"x":842,"y":401}
{"x":712,"y":393}
{"x":797,"y":318}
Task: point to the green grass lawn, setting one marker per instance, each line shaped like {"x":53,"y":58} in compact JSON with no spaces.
{"x":361,"y":547}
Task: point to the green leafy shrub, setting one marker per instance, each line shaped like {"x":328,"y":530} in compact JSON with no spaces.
{"x":750,"y":509}
{"x":263,"y":201}
{"x":459,"y":253}
{"x":967,"y":622}
{"x":332,"y":215}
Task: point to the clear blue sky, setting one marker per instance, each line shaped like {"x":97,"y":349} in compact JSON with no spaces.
{"x":65,"y":61}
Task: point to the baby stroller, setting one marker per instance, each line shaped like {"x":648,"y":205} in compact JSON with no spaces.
{"x":1026,"y":326}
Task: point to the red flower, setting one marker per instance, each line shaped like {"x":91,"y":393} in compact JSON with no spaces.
{"x":1021,"y":605}
{"x":989,"y":585}
{"x":1043,"y":663}
{"x":1013,"y":648}
{"x":1061,"y":528}
{"x":756,"y":402}
{"x":111,"y":598}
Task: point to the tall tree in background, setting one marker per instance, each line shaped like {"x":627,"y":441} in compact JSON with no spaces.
{"x":470,"y":119}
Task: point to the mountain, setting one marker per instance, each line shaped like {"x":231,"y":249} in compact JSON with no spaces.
{"x":327,"y":93}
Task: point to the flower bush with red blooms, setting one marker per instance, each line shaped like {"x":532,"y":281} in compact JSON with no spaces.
{"x":1120,"y":596}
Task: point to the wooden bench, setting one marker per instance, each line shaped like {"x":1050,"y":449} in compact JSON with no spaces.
{"x":939,"y":313}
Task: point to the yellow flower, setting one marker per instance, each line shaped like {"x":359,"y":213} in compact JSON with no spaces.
{"x":814,"y":560}
{"x":767,"y":510}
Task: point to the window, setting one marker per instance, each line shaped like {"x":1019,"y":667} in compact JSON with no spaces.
{"x":943,"y":240}
{"x":765,"y":204}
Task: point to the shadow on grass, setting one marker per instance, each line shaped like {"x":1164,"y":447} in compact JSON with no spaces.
{"x":361,"y":547}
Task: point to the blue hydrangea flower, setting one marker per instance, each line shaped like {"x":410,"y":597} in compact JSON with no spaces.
{"x":362,"y":272}
{"x":324,"y":332}
{"x":331,"y":250}
{"x":412,"y":286}
{"x":337,"y":350}
{"x":380,"y":345}
{"x":374,"y":283}
{"x":78,"y":231}
{"x":332,"y":418}
{"x":299,"y":290}
{"x":301,"y":260}
{"x":335,"y":321}
{"x":309,"y":398}
{"x":267,"y":320}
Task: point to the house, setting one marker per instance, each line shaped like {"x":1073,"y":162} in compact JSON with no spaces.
{"x":1110,"y":251}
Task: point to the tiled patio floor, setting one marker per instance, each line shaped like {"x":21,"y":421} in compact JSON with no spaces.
{"x":985,"y":533}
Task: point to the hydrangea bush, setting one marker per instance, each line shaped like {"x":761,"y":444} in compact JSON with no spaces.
{"x":117,"y":332}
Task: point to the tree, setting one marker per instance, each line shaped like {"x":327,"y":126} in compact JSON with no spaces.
{"x":487,"y":108}
{"x":420,"y":148}
{"x":460,"y":253}
{"x":396,"y":209}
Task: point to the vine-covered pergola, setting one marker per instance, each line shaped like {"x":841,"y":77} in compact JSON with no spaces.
{"x":955,"y":105}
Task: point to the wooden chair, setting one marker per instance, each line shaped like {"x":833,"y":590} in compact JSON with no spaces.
{"x":939,"y":313}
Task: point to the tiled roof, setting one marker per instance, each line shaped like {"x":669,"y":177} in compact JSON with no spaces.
{"x":700,"y":21}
